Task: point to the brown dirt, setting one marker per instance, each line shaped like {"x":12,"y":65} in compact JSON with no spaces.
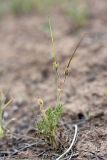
{"x":26,"y":73}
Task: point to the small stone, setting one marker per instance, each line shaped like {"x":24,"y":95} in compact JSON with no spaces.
{"x":15,"y":108}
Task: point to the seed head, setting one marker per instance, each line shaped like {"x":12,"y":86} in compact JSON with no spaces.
{"x":60,"y":90}
{"x":55,"y":65}
{"x":66,"y":72}
{"x":40,"y":102}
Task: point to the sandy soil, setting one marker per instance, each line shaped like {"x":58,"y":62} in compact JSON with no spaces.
{"x":26,"y":73}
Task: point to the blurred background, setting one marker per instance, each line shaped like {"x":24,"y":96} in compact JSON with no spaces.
{"x":26,"y":71}
{"x":26,"y":50}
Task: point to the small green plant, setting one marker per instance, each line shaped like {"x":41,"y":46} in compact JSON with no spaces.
{"x":3,"y":106}
{"x":48,"y":124}
{"x":50,"y":117}
{"x":19,"y":7}
{"x":78,"y":11}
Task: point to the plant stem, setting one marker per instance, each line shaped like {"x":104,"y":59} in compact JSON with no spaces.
{"x":53,"y":142}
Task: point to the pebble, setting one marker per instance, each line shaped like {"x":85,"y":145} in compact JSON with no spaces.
{"x":15,"y":108}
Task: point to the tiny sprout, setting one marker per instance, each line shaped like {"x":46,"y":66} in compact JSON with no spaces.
{"x":50,"y":117}
{"x":1,"y":132}
{"x":2,"y":109}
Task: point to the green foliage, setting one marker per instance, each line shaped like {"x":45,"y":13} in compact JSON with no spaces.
{"x":22,"y":6}
{"x":47,"y":126}
{"x":78,"y":11}
{"x":1,"y":132}
{"x":50,"y":118}
{"x":3,"y":7}
{"x":49,"y":122}
{"x":3,"y":106}
{"x":19,"y":7}
{"x":2,"y":102}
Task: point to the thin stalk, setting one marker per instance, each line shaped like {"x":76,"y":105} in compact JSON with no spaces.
{"x":1,"y":123}
{"x":72,"y":56}
{"x":57,"y":93}
{"x":7,"y":104}
{"x":55,"y":64}
{"x":52,"y":39}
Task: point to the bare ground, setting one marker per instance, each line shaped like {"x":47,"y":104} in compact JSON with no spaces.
{"x":26,"y":73}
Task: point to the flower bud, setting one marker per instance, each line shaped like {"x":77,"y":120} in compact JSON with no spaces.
{"x":40,"y":102}
{"x":66,"y":72}
{"x":55,"y":65}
